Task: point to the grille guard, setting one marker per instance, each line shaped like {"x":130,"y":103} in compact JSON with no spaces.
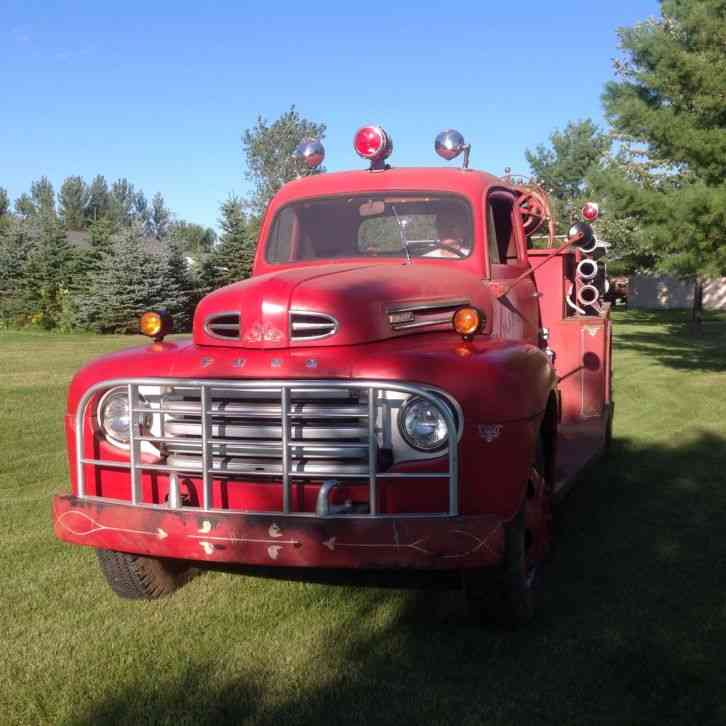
{"x":284,"y":387}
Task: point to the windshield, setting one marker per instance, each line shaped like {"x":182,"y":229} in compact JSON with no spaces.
{"x":378,"y":225}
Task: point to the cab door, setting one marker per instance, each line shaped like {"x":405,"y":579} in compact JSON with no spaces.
{"x":516,"y":315}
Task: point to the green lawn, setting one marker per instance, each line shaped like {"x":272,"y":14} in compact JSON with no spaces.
{"x":633,"y":629}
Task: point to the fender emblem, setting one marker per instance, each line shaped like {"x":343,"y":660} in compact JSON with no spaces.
{"x":490,"y":432}
{"x":311,"y":363}
{"x":206,"y":362}
{"x":238,"y":363}
{"x":276,"y":362}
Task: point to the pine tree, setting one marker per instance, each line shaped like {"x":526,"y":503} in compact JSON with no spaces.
{"x":159,"y":218}
{"x":99,"y":200}
{"x":122,"y":200}
{"x":83,"y":306}
{"x":128,"y":282}
{"x":46,"y":276}
{"x":236,"y":253}
{"x":4,"y":202}
{"x":15,"y":248}
{"x":43,"y":196}
{"x":179,"y":288}
{"x":72,"y":202}
{"x":24,"y":206}
{"x":141,"y":209}
{"x":669,"y":100}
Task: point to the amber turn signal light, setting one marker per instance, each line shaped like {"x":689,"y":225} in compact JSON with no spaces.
{"x":467,"y":321}
{"x":156,"y":324}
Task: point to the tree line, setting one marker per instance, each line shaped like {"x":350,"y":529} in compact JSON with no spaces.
{"x":94,"y":257}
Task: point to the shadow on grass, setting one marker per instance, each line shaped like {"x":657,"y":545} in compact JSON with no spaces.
{"x":676,"y":346}
{"x":633,"y":627}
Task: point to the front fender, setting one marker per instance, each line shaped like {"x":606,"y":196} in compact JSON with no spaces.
{"x":503,"y":388}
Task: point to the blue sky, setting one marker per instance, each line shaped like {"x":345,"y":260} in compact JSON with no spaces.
{"x":161,"y":92}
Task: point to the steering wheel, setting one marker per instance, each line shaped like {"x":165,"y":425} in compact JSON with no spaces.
{"x":455,"y":251}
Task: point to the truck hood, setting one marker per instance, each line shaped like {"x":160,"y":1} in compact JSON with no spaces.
{"x":336,"y":304}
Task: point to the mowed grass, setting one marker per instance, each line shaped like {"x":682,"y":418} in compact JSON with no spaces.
{"x":633,"y":628}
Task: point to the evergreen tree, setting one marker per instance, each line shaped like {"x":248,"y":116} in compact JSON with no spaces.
{"x":236,"y":253}
{"x":159,"y":218}
{"x":43,"y":196}
{"x":128,"y":282}
{"x":4,"y":202}
{"x":179,"y":288}
{"x":122,"y":201}
{"x":15,"y":249}
{"x":669,"y":100}
{"x":72,"y":202}
{"x":24,"y":206}
{"x":46,"y":276}
{"x":84,"y":307}
{"x":268,"y":152}
{"x":99,"y":201}
{"x":193,"y":239}
{"x":141,"y":209}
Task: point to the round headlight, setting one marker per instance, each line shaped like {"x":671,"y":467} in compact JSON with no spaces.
{"x":423,"y":425}
{"x":113,"y":415}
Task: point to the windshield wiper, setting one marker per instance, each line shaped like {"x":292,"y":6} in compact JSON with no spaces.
{"x":402,"y":232}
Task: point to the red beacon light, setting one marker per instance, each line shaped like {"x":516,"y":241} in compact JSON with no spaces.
{"x":590,"y":212}
{"x":374,"y":144}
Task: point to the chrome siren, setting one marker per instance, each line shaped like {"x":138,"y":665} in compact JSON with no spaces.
{"x":450,"y":143}
{"x":310,"y":152}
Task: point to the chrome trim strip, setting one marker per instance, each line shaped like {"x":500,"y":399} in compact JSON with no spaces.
{"x":136,"y":466}
{"x":134,"y":448}
{"x":372,"y":452}
{"x":426,"y":305}
{"x":423,"y":323}
{"x":212,"y":316}
{"x":285,"y":441}
{"x":206,"y":425}
{"x":328,"y":320}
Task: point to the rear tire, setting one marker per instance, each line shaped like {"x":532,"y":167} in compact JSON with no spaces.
{"x":137,"y":577}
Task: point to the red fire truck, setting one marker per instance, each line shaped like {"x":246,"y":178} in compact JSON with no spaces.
{"x":406,"y":382}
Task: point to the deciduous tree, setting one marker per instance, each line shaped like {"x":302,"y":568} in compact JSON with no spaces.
{"x":268,"y":148}
{"x":669,"y":98}
{"x":563,"y":166}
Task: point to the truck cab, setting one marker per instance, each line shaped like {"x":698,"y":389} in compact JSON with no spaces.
{"x":404,"y":382}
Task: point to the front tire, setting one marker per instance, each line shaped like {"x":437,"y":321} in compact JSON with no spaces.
{"x":510,"y":593}
{"x":138,"y":577}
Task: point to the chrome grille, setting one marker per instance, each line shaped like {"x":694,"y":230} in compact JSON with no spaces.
{"x":223,"y":325}
{"x":327,"y":430}
{"x":310,"y":326}
{"x":279,"y":431}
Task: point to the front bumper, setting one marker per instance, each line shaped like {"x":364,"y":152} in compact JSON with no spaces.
{"x":427,"y":543}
